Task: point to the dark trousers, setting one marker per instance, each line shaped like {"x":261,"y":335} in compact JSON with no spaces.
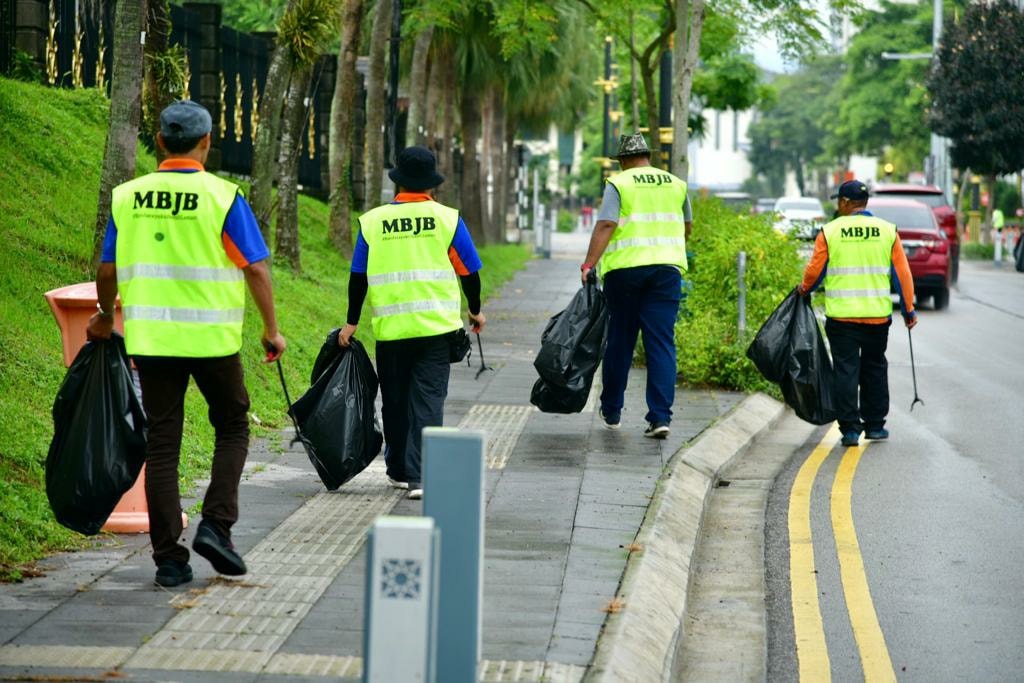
{"x":413,"y":385}
{"x":164,"y":381}
{"x":642,"y":300}
{"x":858,"y":355}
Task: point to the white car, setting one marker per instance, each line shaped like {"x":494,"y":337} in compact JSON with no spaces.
{"x":801,"y":217}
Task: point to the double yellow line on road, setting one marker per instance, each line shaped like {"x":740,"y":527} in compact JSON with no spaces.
{"x":808,"y":628}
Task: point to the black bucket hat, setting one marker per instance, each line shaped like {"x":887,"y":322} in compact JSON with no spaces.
{"x":416,"y":169}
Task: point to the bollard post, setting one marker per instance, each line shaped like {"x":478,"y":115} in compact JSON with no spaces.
{"x":997,"y":253}
{"x":539,"y":226}
{"x":551,"y":226}
{"x":453,"y":494}
{"x":400,"y":622}
{"x":741,"y":283}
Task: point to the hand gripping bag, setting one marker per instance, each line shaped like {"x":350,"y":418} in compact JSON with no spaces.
{"x":337,"y":417}
{"x":572,"y":347}
{"x":99,"y":439}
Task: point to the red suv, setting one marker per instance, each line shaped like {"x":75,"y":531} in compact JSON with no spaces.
{"x":944,"y":213}
{"x":925,"y":244}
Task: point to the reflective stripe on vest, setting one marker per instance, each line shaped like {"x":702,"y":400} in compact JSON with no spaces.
{"x":414,"y":291}
{"x":857,"y":277}
{"x":182,"y":296}
{"x":651,"y":226}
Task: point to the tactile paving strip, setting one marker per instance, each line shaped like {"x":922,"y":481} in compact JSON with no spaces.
{"x":63,"y":656}
{"x":503,"y":424}
{"x":239,"y":625}
{"x":505,"y":671}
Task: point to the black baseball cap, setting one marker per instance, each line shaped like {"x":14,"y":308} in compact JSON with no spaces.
{"x":185,"y":120}
{"x":854,"y":190}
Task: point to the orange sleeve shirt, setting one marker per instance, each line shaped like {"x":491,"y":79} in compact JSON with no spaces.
{"x":818,"y":266}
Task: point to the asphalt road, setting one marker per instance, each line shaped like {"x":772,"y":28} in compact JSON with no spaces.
{"x":937,"y":512}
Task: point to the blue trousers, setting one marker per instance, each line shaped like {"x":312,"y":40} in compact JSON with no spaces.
{"x":643,"y":300}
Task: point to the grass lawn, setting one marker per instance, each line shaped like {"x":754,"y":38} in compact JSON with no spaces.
{"x":51,"y":146}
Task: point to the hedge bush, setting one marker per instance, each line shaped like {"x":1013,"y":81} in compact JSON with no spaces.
{"x":710,"y":350}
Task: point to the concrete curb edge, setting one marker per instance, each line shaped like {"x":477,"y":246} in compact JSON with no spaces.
{"x":638,"y":642}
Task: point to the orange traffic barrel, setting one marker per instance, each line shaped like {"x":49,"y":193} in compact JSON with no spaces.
{"x":72,"y":306}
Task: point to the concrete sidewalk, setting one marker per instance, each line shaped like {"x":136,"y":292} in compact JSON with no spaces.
{"x":565,"y":500}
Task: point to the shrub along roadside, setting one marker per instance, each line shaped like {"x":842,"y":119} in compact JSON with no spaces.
{"x":51,"y":146}
{"x":709,"y":349}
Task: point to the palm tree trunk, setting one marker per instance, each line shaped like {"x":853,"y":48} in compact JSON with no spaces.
{"x":689,"y":24}
{"x":496,"y":220}
{"x":651,"y":99}
{"x":373,"y":154}
{"x":155,"y":95}
{"x":472,"y":209}
{"x":292,"y":125}
{"x":339,"y":228}
{"x":450,"y":191}
{"x":416,"y":127}
{"x":508,"y":130}
{"x":264,"y":149}
{"x":125,"y":110}
{"x":634,"y":95}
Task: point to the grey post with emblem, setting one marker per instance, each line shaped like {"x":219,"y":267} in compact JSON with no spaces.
{"x":401,"y":601}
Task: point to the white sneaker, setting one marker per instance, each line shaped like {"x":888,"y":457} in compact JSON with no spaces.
{"x":395,"y":484}
{"x":416,"y":492}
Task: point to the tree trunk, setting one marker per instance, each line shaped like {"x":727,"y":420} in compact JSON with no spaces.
{"x":416,"y":126}
{"x":125,"y":110}
{"x":487,"y":160}
{"x":634,"y":94}
{"x":343,"y":104}
{"x":505,"y":189}
{"x":987,"y":230}
{"x":450,"y":191}
{"x":155,"y":95}
{"x":292,"y":124}
{"x":472,"y":210}
{"x":689,"y":24}
{"x":496,"y":226}
{"x":376,"y":101}
{"x":264,"y":149}
{"x":651,"y":98}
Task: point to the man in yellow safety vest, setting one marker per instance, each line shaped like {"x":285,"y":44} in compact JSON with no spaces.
{"x":858,"y":258}
{"x":410,"y":258}
{"x":181,"y":246}
{"x":640,"y":239}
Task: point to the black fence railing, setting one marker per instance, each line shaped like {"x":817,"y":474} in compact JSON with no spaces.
{"x":7,"y":35}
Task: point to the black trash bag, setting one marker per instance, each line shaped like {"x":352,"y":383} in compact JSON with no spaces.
{"x":337,"y":417}
{"x":572,"y":347}
{"x":770,"y":349}
{"x":792,"y":338}
{"x":99,"y":437}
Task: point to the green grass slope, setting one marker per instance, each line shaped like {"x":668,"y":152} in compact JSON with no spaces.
{"x":51,"y":147}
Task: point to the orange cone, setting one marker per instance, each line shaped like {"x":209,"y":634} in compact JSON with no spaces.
{"x":72,"y":306}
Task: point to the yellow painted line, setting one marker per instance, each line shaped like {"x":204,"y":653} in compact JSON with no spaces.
{"x":874,"y":655}
{"x":811,"y":650}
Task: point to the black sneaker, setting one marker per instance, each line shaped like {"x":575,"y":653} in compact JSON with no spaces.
{"x":880,"y":434}
{"x":850,"y":439}
{"x":171,"y":573}
{"x":657,"y":430}
{"x":611,"y":420}
{"x":218,"y":549}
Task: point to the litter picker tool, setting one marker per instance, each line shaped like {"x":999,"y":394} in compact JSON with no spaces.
{"x":913,"y":372}
{"x":483,"y":366}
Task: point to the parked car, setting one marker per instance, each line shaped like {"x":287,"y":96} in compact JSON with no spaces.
{"x":801,"y":217}
{"x":764,"y":205}
{"x":737,"y":201}
{"x":925,"y":244}
{"x":933,"y":196}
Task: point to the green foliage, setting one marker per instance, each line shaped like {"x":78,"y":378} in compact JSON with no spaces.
{"x":24,"y":68}
{"x":51,"y":149}
{"x":973,"y":251}
{"x":1008,"y":198}
{"x":248,"y":16}
{"x":977,"y":88}
{"x":307,"y":28}
{"x":881,"y":103}
{"x":710,"y":351}
{"x":790,"y":132}
{"x":566,"y":221}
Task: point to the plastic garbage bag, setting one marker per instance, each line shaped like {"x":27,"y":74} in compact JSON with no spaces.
{"x":791,"y":344}
{"x":99,"y":439}
{"x":572,"y":347}
{"x":337,"y":417}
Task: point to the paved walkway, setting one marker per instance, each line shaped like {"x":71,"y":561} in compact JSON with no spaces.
{"x":565,"y":498}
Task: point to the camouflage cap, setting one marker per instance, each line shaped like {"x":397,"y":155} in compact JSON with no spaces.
{"x":633,"y":145}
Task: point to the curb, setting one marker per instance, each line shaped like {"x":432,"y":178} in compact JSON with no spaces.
{"x":638,"y":643}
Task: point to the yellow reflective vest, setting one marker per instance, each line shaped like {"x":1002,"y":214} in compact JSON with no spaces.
{"x":180,"y":293}
{"x":857,"y":278}
{"x":413,"y":288}
{"x":651,"y":227}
